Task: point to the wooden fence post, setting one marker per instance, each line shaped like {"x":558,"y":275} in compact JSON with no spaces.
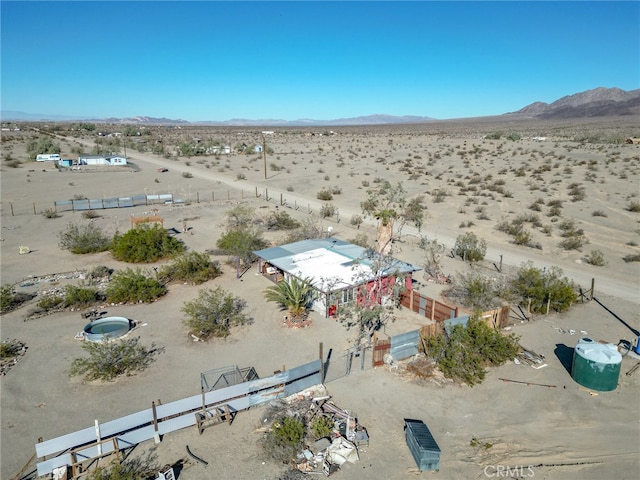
{"x":11,"y":204}
{"x":433,"y":309}
{"x":593,"y":288}
{"x":34,"y":208}
{"x":197,"y":197}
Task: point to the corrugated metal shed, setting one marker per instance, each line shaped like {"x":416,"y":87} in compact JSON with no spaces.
{"x":423,"y":446}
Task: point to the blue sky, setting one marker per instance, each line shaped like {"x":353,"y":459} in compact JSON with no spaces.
{"x":199,"y":60}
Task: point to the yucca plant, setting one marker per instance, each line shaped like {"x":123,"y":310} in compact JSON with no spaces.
{"x":293,"y":294}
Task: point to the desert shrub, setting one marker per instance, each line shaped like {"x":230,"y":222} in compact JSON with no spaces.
{"x":10,"y":299}
{"x":493,"y":136}
{"x":635,"y":257}
{"x":242,"y":215}
{"x":514,"y":136}
{"x":130,"y":469}
{"x":573,"y":243}
{"x":79,"y":297}
{"x":241,"y":176}
{"x":633,"y":206}
{"x":100,"y":271}
{"x":145,"y":244}
{"x":522,"y":237}
{"x":90,"y":214}
{"x":133,"y":286}
{"x":111,"y":359}
{"x":281,"y":220}
{"x":469,"y":247}
{"x":187,"y":175}
{"x":192,"y":267}
{"x":214,"y":312}
{"x":324,"y":194}
{"x":327,"y":210}
{"x":285,"y":439}
{"x":83,"y":239}
{"x":474,"y":290}
{"x":49,"y":302}
{"x":542,"y":286}
{"x":41,"y":144}
{"x":356,"y":220}
{"x":240,"y":243}
{"x":598,"y":213}
{"x":362,"y":240}
{"x":596,"y":258}
{"x":463,"y":353}
{"x":50,"y":213}
{"x":321,"y":426}
{"x":11,"y":348}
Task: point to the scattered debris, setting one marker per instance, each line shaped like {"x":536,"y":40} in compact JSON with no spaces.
{"x":590,"y":392}
{"x":527,"y":383}
{"x":529,"y":357}
{"x":633,"y":369}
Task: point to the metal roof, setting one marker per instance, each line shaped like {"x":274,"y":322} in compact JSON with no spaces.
{"x":330,"y":263}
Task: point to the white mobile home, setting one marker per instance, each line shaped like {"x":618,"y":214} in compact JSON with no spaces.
{"x":48,"y":157}
{"x":101,"y":160}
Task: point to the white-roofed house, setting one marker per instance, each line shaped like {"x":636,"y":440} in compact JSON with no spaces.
{"x":340,"y":272}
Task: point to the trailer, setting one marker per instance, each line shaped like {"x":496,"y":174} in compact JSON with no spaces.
{"x":48,"y":157}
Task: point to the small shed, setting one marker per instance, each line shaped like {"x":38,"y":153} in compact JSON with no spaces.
{"x":423,"y":446}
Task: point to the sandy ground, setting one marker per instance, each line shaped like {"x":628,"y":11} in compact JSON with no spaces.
{"x":563,"y":432}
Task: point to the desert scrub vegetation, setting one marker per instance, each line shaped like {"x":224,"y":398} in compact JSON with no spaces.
{"x":110,"y":359}
{"x":214,"y":312}
{"x":542,"y":289}
{"x":82,"y":239}
{"x":280,"y":220}
{"x":633,"y":206}
{"x":464,"y":352}
{"x":632,"y":257}
{"x":324,"y":194}
{"x":50,"y":213}
{"x":191,"y":267}
{"x":10,"y":299}
{"x":145,"y":244}
{"x":470,"y":248}
{"x":595,"y":258}
{"x":284,"y":439}
{"x":11,"y":348}
{"x":133,"y":286}
{"x":327,"y":210}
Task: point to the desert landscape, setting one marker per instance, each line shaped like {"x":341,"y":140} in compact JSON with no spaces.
{"x":475,"y":175}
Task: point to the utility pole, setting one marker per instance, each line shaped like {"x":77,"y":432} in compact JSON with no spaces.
{"x":264,"y":155}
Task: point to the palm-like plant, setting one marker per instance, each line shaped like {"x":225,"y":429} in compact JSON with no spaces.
{"x":293,"y":294}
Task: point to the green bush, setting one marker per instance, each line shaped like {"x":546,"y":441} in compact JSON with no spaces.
{"x":79,"y":297}
{"x":469,"y":247}
{"x":542,"y":286}
{"x":321,"y":426}
{"x":465,"y":351}
{"x":285,"y":439}
{"x":50,"y":302}
{"x":110,"y":359}
{"x":281,"y":220}
{"x":41,"y":144}
{"x":214,"y":312}
{"x":84,"y":239}
{"x":635,"y":257}
{"x":133,"y":286}
{"x":145,"y":244}
{"x":193,"y":267}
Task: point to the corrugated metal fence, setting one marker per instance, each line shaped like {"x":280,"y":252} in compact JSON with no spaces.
{"x":141,"y":426}
{"x":114,"y":202}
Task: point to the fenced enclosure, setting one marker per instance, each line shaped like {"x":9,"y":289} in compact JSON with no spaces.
{"x":84,"y":204}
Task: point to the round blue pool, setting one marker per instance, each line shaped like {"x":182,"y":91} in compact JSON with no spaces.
{"x":106,"y":329}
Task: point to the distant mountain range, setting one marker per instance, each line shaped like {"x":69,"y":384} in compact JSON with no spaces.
{"x":599,"y":102}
